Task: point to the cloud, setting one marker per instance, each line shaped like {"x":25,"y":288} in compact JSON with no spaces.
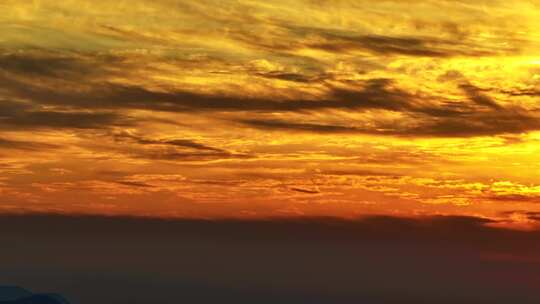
{"x":25,"y":145}
{"x":134,"y":184}
{"x":477,"y":124}
{"x":182,"y":143}
{"x":20,"y":115}
{"x":429,"y":116}
{"x":359,"y":172}
{"x":260,"y":97}
{"x":481,"y":116}
{"x":30,"y":64}
{"x":300,"y":127}
{"x":55,"y":119}
{"x":529,"y":215}
{"x":476,"y":95}
{"x":294,"y":77}
{"x":374,"y":94}
{"x":286,"y":38}
{"x":171,"y":155}
{"x":389,"y":45}
{"x":91,"y":106}
{"x":174,"y":149}
{"x":522,"y":92}
{"x":516,"y":198}
{"x":306,"y":191}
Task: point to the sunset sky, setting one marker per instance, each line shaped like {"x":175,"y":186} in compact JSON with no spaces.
{"x":247,"y":109}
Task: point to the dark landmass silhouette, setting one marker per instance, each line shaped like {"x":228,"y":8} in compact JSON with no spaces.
{"x":18,"y":295}
{"x":372,"y":260}
{"x":13,"y":292}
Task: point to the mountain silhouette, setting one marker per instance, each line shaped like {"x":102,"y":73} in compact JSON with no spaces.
{"x":18,"y":295}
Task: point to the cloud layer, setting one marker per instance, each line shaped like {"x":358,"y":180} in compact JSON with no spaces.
{"x":252,"y":109}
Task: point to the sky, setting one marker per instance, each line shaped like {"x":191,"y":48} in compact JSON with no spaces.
{"x":255,"y":109}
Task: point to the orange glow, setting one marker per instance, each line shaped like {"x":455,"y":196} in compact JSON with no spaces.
{"x":270,"y":108}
